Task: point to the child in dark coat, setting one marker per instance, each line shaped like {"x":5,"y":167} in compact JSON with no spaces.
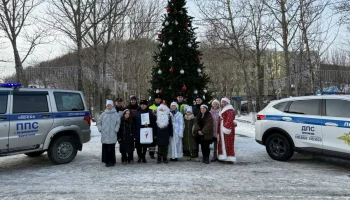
{"x":126,"y":135}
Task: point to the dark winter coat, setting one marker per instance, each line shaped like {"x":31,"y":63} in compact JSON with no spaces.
{"x":204,"y":124}
{"x":137,"y":122}
{"x":196,"y":109}
{"x":163,"y":135}
{"x":126,"y":135}
{"x":188,"y":141}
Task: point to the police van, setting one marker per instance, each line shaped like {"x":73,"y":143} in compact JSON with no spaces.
{"x":33,"y":121}
{"x":319,"y":125}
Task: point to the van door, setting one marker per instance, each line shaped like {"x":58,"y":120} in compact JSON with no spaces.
{"x":336,"y":127}
{"x":4,"y":122}
{"x":31,"y":120}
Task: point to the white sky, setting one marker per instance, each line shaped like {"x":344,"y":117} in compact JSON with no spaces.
{"x":56,"y":48}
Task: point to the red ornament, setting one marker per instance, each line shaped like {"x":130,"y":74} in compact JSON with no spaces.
{"x":198,"y":58}
{"x":168,"y":9}
{"x":184,"y":88}
{"x":171,"y":70}
{"x":186,"y":25}
{"x":159,"y":36}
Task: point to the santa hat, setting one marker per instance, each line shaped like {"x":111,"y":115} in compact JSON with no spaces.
{"x":109,"y":102}
{"x":205,"y":106}
{"x":215,"y":101}
{"x":164,"y":103}
{"x":163,"y":107}
{"x":173,"y":104}
{"x":188,"y":109}
{"x":226,"y":100}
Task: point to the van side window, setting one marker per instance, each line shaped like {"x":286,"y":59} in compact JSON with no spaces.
{"x":68,"y":101}
{"x":337,"y":108}
{"x":3,"y":103}
{"x":304,"y":107}
{"x":30,"y":103}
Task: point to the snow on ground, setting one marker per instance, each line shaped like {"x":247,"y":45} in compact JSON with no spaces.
{"x":254,"y":176}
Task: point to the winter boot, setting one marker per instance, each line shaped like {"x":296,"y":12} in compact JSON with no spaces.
{"x":206,"y":160}
{"x":159,"y":160}
{"x":165,"y":160}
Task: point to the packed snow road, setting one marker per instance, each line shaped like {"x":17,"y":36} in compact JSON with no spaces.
{"x":254,"y":176}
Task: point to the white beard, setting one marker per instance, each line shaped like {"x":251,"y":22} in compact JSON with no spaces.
{"x":162,"y":119}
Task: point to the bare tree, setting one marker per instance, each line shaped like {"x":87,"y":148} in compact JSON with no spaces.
{"x":71,"y":18}
{"x":15,"y":15}
{"x":229,"y":25}
{"x":259,"y":24}
{"x":285,"y":13}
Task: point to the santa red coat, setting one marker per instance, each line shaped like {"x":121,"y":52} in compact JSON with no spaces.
{"x":226,"y":134}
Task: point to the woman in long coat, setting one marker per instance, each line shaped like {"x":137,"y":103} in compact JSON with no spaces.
{"x":175,"y":147}
{"x":203,"y":126}
{"x":126,"y":136}
{"x":108,"y":124}
{"x":142,"y":148}
{"x":215,"y":111}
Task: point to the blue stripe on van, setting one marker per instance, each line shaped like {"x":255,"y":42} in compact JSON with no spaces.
{"x":311,"y":121}
{"x":19,"y":117}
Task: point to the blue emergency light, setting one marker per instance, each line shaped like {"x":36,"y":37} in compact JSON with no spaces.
{"x":11,"y":85}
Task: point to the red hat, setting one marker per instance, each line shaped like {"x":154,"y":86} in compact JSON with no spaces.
{"x":164,"y":103}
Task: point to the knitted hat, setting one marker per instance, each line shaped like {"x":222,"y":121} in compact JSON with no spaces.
{"x":205,"y":106}
{"x":188,"y":109}
{"x":215,"y":101}
{"x":133,"y":97}
{"x":109,"y":102}
{"x":173,"y":104}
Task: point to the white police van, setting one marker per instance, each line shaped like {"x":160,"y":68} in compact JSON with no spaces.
{"x":318,"y":125}
{"x":33,"y":121}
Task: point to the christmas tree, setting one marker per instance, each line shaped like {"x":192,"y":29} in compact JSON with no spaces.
{"x":178,"y":62}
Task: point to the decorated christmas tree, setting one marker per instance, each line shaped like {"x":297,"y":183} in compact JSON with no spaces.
{"x":178,"y":63}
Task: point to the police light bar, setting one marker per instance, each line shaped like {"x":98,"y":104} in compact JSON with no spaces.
{"x":11,"y":85}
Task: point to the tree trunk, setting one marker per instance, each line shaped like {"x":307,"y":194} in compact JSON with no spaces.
{"x":285,"y":46}
{"x":20,"y":75}
{"x":80,"y":67}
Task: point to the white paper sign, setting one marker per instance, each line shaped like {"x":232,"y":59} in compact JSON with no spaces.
{"x":146,"y":136}
{"x":145,"y":118}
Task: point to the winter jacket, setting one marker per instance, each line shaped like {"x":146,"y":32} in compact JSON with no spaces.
{"x":132,"y":108}
{"x":108,"y":124}
{"x":204,"y":124}
{"x":137,"y":123}
{"x":196,"y":109}
{"x":126,"y":135}
{"x":215,"y":115}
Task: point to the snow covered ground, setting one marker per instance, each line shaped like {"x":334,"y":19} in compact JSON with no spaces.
{"x":254,"y":176}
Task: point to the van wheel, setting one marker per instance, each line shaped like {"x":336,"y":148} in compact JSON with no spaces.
{"x":62,"y":150}
{"x":279,"y":148}
{"x":35,"y":154}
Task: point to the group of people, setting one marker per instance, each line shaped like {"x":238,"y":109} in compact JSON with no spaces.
{"x":177,"y":131}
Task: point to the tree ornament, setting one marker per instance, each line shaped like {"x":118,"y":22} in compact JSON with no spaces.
{"x":199,"y":70}
{"x":171,"y":70}
{"x":159,"y":71}
{"x":168,"y":9}
{"x":176,"y":23}
{"x":157,"y":91}
{"x":184,"y":88}
{"x":166,"y":23}
{"x":189,"y":45}
{"x":159,"y":36}
{"x":198,"y":58}
{"x":182,"y":71}
{"x":203,"y":97}
{"x":163,"y":45}
{"x":205,"y":90}
{"x":171,"y":58}
{"x":170,"y":42}
{"x":195,"y":92}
